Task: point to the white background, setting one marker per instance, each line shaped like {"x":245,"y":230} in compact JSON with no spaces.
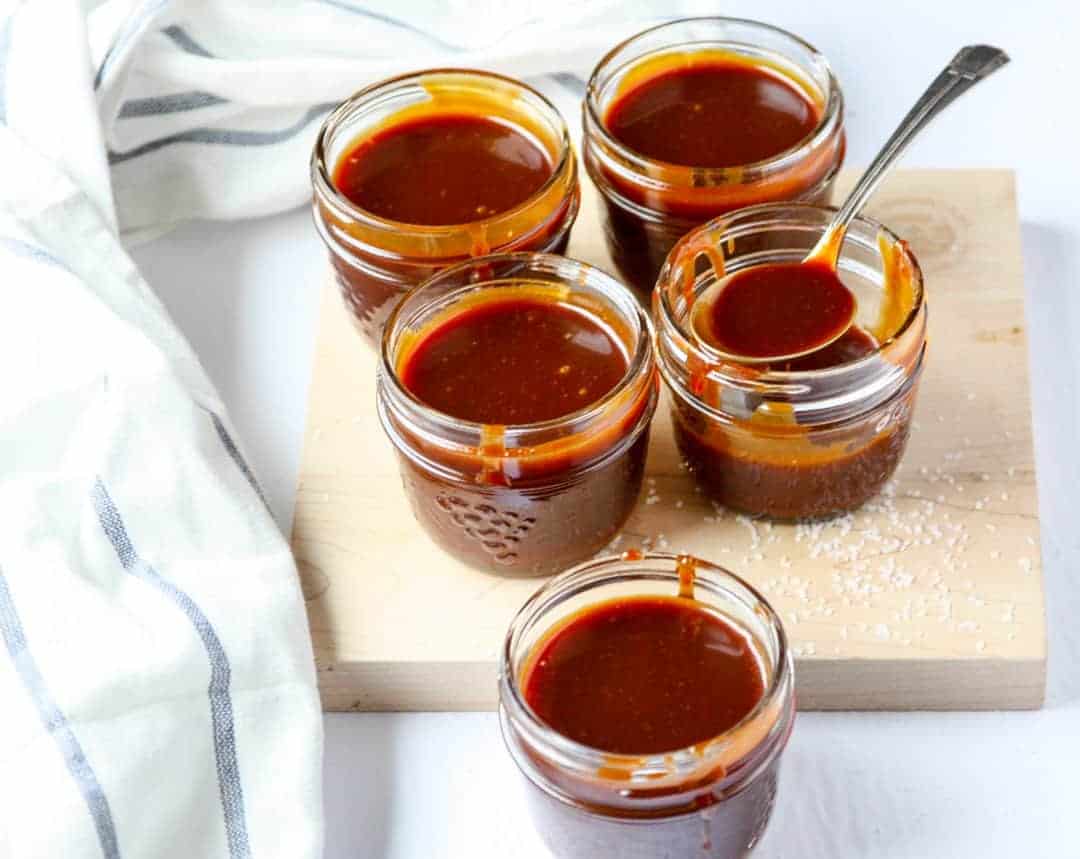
{"x":854,"y":785}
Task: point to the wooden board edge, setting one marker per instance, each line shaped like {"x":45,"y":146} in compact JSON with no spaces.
{"x":409,"y":687}
{"x":851,"y":684}
{"x":950,"y":684}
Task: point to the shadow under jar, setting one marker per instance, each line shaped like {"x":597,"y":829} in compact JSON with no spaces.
{"x":699,"y":117}
{"x":421,"y":172}
{"x":696,"y":631}
{"x":517,"y":390}
{"x":812,"y":437}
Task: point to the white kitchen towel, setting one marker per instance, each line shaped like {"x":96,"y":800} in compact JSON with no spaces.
{"x":210,"y":109}
{"x":157,"y":692}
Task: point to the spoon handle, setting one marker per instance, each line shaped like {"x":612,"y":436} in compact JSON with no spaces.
{"x":971,"y":65}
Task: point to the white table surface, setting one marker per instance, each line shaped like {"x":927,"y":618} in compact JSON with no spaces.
{"x":854,"y":784}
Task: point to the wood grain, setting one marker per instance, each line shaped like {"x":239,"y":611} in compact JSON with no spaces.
{"x":930,"y":597}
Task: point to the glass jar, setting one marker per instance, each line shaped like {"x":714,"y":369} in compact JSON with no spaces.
{"x":649,"y":205}
{"x":711,"y":800}
{"x":376,"y":260}
{"x":793,"y":443}
{"x":524,"y":499}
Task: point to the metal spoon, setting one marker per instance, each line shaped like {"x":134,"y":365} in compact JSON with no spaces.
{"x":971,"y":65}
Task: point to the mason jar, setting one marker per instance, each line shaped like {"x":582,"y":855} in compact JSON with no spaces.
{"x":789,"y":442}
{"x":376,"y":260}
{"x":533,"y":498}
{"x":712,"y":800}
{"x":650,"y":204}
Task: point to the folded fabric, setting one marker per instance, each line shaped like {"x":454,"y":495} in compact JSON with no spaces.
{"x":210,"y":109}
{"x":156,"y":672}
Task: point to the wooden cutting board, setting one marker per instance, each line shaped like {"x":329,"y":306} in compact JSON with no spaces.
{"x":930,"y":597}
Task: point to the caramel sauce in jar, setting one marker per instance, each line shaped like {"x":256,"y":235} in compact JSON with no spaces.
{"x":647,"y":700}
{"x":815,"y":436}
{"x":518,"y":390}
{"x":424,"y":171}
{"x":696,"y":118}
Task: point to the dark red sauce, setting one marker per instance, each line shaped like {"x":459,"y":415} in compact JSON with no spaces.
{"x":777,"y":309}
{"x":644,"y":675}
{"x":515,"y":361}
{"x":853,"y":344}
{"x":443,"y":169}
{"x":718,"y":115}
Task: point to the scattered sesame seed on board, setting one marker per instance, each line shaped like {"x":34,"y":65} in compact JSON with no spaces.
{"x":897,"y":562}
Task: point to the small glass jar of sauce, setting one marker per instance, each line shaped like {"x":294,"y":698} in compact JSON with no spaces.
{"x":647,"y":700}
{"x":695,"y":118}
{"x":421,"y":172}
{"x":812,"y":437}
{"x":518,"y":390}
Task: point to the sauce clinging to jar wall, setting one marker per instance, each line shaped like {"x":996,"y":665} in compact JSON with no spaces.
{"x":698,"y":118}
{"x":421,"y":172}
{"x":517,"y":390}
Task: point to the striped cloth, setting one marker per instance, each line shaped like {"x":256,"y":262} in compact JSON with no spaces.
{"x":210,"y":109}
{"x":157,"y":695}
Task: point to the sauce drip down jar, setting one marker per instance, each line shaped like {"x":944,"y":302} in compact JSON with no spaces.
{"x":524,"y":499}
{"x":649,"y":204}
{"x":712,"y":800}
{"x":787,"y":443}
{"x":377,"y":260}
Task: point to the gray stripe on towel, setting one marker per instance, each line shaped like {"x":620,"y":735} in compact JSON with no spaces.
{"x":26,"y":250}
{"x":225,"y":136}
{"x":570,"y":81}
{"x":181,"y":39}
{"x":56,"y":723}
{"x":160,"y":105}
{"x":237,"y":457}
{"x":221,"y":713}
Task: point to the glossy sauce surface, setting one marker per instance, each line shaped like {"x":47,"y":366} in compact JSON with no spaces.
{"x":853,"y":344}
{"x":442,"y":169}
{"x":514,"y":361}
{"x":721,"y":114}
{"x":643,"y":675}
{"x":776,"y":309}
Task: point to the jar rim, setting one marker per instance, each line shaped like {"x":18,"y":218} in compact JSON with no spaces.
{"x":321,"y":170}
{"x":781,"y":161}
{"x":637,"y":769}
{"x":668,"y":319}
{"x":638,"y":363}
